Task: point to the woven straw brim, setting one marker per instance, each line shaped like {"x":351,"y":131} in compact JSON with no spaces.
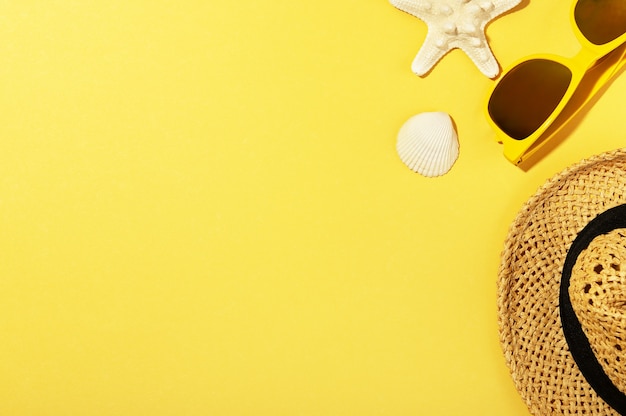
{"x":535,"y":349}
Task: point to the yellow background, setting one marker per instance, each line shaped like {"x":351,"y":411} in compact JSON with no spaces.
{"x":202,"y":211}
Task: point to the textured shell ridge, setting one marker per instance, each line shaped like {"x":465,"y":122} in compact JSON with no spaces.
{"x":428,"y":144}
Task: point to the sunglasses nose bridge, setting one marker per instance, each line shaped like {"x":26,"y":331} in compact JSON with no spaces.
{"x":584,"y":59}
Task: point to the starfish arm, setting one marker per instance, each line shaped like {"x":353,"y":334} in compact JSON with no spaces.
{"x":501,"y":7}
{"x":455,"y":24}
{"x":429,"y":54}
{"x":417,"y":8}
{"x":483,"y":58}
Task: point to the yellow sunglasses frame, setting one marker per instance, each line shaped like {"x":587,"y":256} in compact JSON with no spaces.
{"x":516,"y":151}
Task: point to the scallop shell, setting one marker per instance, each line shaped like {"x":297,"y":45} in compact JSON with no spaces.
{"x":428,"y":144}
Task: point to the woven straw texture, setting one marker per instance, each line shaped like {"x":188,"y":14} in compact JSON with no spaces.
{"x":534,"y":347}
{"x":598,"y":294}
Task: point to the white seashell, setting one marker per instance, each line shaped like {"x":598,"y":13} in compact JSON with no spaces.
{"x":428,"y":144}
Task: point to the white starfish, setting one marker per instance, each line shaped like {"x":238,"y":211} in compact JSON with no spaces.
{"x":456,"y":24}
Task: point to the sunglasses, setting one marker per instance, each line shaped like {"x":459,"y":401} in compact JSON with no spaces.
{"x":526,"y":101}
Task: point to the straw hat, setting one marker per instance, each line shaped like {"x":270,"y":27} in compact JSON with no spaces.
{"x":562,"y":292}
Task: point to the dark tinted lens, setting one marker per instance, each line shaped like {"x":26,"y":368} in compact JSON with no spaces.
{"x":527,"y":95}
{"x":601,"y":21}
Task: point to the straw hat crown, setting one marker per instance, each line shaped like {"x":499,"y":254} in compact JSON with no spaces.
{"x":598,"y":295}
